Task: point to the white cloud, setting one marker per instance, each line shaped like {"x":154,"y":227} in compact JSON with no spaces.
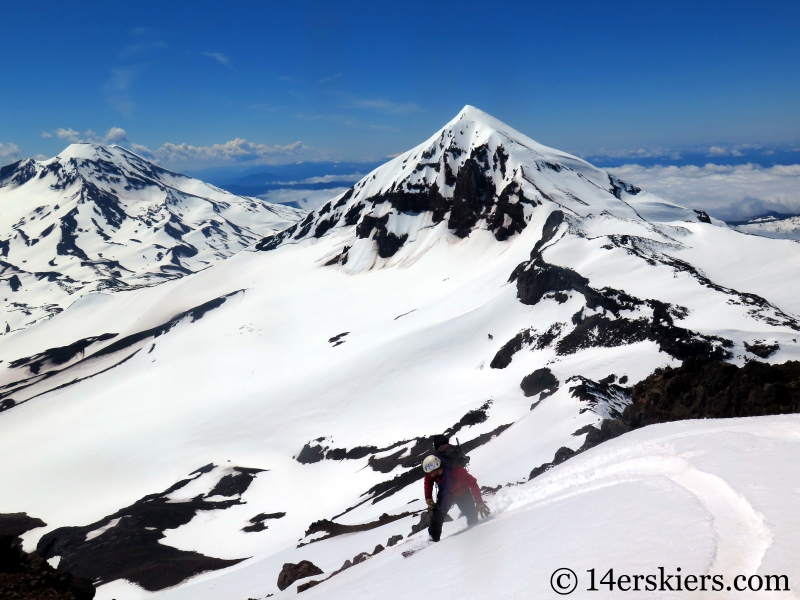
{"x":115,"y":135}
{"x":68,"y":134}
{"x":219,"y":57}
{"x":9,"y":151}
{"x":638,"y":153}
{"x":727,"y":192}
{"x":142,"y":151}
{"x":41,"y":157}
{"x":235,"y":150}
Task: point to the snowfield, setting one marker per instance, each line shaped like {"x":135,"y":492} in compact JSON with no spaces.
{"x":275,"y":407}
{"x":708,"y":497}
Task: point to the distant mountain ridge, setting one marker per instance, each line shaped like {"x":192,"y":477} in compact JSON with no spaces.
{"x":103,"y":218}
{"x":771,"y":225}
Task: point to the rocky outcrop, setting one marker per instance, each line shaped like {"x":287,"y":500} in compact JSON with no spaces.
{"x":291,"y":572}
{"x":26,"y":576}
{"x":700,"y":388}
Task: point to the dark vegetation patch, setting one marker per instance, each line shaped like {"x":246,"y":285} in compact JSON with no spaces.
{"x":26,"y":576}
{"x":291,"y":572}
{"x":132,"y":550}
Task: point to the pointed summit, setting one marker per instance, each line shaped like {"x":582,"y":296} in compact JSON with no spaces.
{"x":474,"y":174}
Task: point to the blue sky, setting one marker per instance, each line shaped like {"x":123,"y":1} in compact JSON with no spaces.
{"x":363,"y":80}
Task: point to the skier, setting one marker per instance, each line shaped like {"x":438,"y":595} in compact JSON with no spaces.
{"x":455,"y":485}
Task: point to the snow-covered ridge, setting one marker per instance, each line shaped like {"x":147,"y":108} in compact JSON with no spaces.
{"x":476,"y":173}
{"x":780,"y":227}
{"x":103,"y":218}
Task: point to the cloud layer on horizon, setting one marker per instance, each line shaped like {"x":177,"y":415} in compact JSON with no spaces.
{"x":728,"y":192}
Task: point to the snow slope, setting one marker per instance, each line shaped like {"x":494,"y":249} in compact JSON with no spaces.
{"x":413,"y":304}
{"x":705,"y":497}
{"x":102,"y":218}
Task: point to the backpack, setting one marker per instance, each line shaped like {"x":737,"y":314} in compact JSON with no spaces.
{"x":449,"y":454}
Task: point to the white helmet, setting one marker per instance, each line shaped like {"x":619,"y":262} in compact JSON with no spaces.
{"x":431,"y":463}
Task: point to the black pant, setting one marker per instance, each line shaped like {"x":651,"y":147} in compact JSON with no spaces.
{"x":465,"y":502}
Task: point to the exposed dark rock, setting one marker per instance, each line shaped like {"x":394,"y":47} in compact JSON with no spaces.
{"x":473,"y":192}
{"x":271,"y":242}
{"x":702,"y":388}
{"x":17,"y":173}
{"x":324,"y":226}
{"x":130,"y":547}
{"x":508,"y":215}
{"x":264,"y":516}
{"x":351,"y":216}
{"x":393,"y":540}
{"x":761,"y":349}
{"x":26,"y":576}
{"x":235,"y":484}
{"x":618,"y":186}
{"x":291,"y":572}
{"x":15,"y":524}
{"x":196,"y":313}
{"x":60,"y":354}
{"x":255,"y":527}
{"x":606,"y":399}
{"x":334,"y":529}
{"x":310,"y":454}
{"x":388,"y":243}
{"x":304,"y":586}
{"x":506,"y":353}
{"x":539,"y":381}
{"x":702,"y":216}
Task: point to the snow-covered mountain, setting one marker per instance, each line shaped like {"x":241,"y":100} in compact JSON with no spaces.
{"x":275,"y":408}
{"x":772,"y":226}
{"x":102,"y":218}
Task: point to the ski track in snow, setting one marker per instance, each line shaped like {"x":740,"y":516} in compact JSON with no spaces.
{"x":742,"y":537}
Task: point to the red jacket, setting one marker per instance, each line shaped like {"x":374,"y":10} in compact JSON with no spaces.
{"x":460,"y":482}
